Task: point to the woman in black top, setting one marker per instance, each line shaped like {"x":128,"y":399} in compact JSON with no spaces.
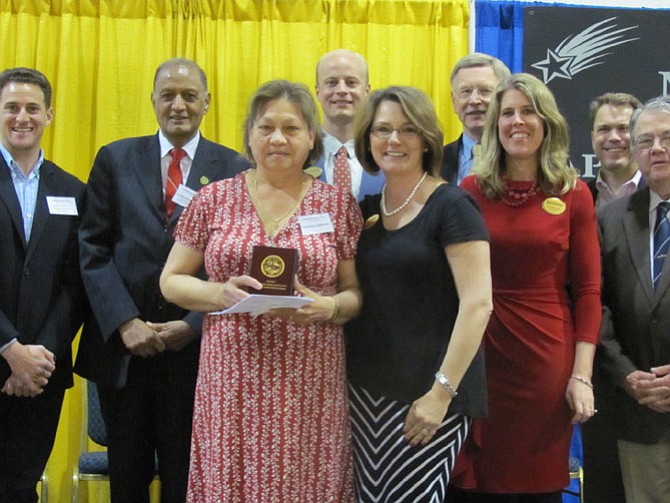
{"x":415,"y":368}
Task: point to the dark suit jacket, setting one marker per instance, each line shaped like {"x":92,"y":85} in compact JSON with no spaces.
{"x":124,"y":242}
{"x":635,"y":331}
{"x":42,"y":300}
{"x":371,"y":184}
{"x":449,"y":170}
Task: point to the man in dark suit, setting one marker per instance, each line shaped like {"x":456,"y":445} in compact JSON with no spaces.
{"x":635,"y":333}
{"x":618,"y":175}
{"x":42,"y":301}
{"x":473,"y":80}
{"x":143,"y":351}
{"x":342,"y":85}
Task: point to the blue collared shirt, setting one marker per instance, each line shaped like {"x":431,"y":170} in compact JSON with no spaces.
{"x":465,"y":159}
{"x":26,"y":188}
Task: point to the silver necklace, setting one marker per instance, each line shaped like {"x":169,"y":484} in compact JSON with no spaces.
{"x":405,"y":203}
{"x":276,"y":221}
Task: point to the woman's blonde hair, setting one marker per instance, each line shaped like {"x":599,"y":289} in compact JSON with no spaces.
{"x":555,"y":176}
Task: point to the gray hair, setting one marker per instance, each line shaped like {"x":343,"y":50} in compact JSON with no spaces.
{"x":660,"y":104}
{"x":480,"y":59}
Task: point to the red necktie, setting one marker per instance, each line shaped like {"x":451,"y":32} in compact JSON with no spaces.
{"x":341,"y":170}
{"x":174,"y":179}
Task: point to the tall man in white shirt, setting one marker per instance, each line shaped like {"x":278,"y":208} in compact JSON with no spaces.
{"x":342,"y":85}
{"x":618,"y":176}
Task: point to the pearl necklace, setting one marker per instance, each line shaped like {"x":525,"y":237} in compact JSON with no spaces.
{"x":405,"y":203}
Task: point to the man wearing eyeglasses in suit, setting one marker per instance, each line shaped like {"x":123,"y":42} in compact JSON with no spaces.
{"x":473,"y":80}
{"x":635,"y":332}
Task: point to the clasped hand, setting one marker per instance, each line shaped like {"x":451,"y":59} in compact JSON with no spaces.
{"x":651,"y":389}
{"x":147,"y":339}
{"x":32,"y":366}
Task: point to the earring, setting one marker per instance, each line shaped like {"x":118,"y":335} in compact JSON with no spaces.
{"x":425,"y":150}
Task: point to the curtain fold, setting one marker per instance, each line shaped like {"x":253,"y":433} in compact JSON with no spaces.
{"x":100,"y":56}
{"x":499,"y":31}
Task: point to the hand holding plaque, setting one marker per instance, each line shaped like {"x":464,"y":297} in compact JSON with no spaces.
{"x":275,"y":269}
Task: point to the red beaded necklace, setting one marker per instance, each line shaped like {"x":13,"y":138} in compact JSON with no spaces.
{"x":518,"y":196}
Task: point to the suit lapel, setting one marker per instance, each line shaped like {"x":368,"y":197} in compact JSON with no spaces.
{"x":146,"y":164}
{"x":203,"y":171}
{"x":636,"y":230}
{"x":41,"y":208}
{"x":9,"y":199}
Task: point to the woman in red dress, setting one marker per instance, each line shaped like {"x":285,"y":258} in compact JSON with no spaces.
{"x":271,"y":417}
{"x":545,"y":262}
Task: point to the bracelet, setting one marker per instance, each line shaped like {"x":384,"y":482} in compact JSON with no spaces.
{"x":582,"y":380}
{"x":336,"y":311}
{"x":442,"y":379}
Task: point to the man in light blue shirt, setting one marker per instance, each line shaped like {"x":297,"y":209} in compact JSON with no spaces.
{"x":473,"y":80}
{"x":41,"y":296}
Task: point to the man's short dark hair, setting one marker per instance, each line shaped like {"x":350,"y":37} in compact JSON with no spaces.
{"x":27,"y":76}
{"x":614,"y":99}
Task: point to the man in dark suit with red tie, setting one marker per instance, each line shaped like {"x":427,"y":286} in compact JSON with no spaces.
{"x":42,"y":300}
{"x":143,"y":351}
{"x":634,"y":349}
{"x":473,"y":80}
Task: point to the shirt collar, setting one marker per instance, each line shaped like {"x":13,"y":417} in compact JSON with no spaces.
{"x":190,"y":147}
{"x":654,"y":201}
{"x":602,"y":184}
{"x":13,"y":166}
{"x":331,"y":145}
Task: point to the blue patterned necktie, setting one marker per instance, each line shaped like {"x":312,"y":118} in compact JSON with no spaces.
{"x":661,"y":239}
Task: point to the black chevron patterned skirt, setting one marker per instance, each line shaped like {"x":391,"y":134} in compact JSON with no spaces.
{"x":390,"y":470}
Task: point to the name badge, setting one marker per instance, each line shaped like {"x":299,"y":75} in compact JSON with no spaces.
{"x":315,"y":224}
{"x":62,"y":205}
{"x":554,"y":206}
{"x":183,"y":195}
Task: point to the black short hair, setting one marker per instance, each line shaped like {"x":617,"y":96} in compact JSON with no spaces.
{"x":27,"y":76}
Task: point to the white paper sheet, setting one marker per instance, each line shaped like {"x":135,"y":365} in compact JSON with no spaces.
{"x":259,"y":304}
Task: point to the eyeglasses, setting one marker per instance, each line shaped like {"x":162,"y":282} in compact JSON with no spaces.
{"x":647,"y":141}
{"x":465,"y":92}
{"x":384,"y":132}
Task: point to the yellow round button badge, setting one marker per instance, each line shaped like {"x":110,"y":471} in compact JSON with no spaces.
{"x":554,"y":206}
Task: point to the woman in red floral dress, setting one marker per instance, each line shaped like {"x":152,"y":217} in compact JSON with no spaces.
{"x":271,"y":417}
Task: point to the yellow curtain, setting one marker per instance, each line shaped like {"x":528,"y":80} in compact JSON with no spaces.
{"x":100,"y":57}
